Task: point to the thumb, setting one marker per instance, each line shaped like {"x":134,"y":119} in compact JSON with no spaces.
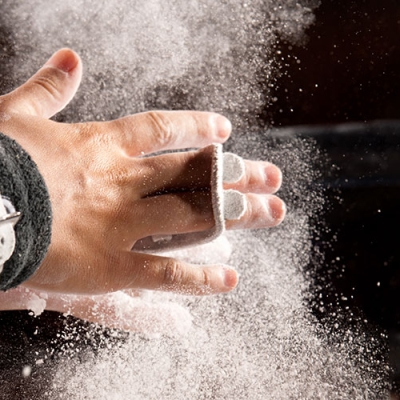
{"x":50,"y":89}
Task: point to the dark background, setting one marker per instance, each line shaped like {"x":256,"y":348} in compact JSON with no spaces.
{"x":353,"y":55}
{"x":349,"y":71}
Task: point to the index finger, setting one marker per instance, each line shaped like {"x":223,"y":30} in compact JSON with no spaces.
{"x":154,"y":131}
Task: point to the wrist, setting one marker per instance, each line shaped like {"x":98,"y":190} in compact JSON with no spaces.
{"x":25,"y":191}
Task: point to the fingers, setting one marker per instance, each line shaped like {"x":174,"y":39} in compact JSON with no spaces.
{"x":192,"y":171}
{"x":259,"y":177}
{"x":192,"y":212}
{"x":174,"y":213}
{"x":176,"y":199}
{"x":164,"y":130}
{"x":259,"y":181}
{"x":119,"y":310}
{"x":168,"y":274}
{"x":262,"y":211}
{"x":186,"y":171}
{"x":12,"y":300}
{"x":182,"y":213}
{"x":50,"y":89}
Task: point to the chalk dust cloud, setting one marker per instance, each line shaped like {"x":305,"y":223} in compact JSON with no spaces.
{"x":260,"y":342}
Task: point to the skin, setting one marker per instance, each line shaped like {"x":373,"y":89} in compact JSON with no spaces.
{"x":105,"y":195}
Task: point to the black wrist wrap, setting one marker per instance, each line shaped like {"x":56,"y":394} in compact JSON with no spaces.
{"x":22,"y":183}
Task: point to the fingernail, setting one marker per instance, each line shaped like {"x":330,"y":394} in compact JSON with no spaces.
{"x":278,"y":209}
{"x":223,"y":127}
{"x":230,"y":277}
{"x":65,"y":60}
{"x":273,"y":177}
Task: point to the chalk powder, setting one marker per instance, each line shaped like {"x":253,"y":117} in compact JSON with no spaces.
{"x":260,"y":342}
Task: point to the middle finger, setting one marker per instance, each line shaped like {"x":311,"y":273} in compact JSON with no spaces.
{"x":188,"y":171}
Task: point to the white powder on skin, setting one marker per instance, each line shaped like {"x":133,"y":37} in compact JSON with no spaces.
{"x":150,"y":315}
{"x":218,"y":251}
{"x":234,"y":168}
{"x":36,"y":302}
{"x":235,"y":204}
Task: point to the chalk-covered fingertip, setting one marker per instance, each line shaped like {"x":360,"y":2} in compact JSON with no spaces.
{"x":233,"y":168}
{"x":234,"y":204}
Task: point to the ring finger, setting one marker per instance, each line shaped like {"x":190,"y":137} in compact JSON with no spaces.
{"x":177,"y":172}
{"x":192,"y":212}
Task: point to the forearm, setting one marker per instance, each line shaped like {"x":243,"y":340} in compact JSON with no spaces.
{"x":22,"y":184}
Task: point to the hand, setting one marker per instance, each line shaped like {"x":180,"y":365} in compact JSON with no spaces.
{"x":105,"y":195}
{"x":124,"y":310}
{"x":148,"y":313}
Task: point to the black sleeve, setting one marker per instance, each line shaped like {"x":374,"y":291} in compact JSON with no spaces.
{"x":23,"y":185}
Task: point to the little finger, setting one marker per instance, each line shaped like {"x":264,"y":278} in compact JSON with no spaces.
{"x":185,"y":171}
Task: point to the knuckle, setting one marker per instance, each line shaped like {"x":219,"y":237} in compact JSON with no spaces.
{"x":95,"y":138}
{"x":162,"y":127}
{"x":206,"y":278}
{"x":249,"y":180}
{"x":173,"y":273}
{"x":254,"y":177}
{"x":49,"y":84}
{"x":111,"y":278}
{"x":251,"y":214}
{"x":91,"y":131}
{"x":117,"y":175}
